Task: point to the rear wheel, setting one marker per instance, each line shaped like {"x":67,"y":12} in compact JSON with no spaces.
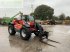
{"x":25,"y":34}
{"x":11,"y":30}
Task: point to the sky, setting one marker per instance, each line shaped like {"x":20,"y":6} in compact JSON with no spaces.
{"x":11,"y":7}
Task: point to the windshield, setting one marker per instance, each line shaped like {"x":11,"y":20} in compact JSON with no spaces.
{"x":31,"y":18}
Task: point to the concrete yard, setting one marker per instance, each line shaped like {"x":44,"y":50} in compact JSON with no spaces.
{"x":59,"y":33}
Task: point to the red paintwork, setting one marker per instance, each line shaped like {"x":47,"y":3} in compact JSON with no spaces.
{"x":33,"y":29}
{"x":31,"y":24}
{"x":18,"y":26}
{"x":19,"y":23}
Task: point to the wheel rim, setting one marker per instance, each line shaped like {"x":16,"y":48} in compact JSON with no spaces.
{"x":10,"y":30}
{"x":23,"y":34}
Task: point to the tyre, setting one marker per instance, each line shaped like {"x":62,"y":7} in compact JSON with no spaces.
{"x":25,"y":34}
{"x":11,"y":30}
{"x":36,"y":33}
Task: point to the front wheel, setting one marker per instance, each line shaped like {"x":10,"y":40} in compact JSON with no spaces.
{"x":11,"y":30}
{"x":25,"y":35}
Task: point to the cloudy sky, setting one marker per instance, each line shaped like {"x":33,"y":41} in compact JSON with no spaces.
{"x":11,"y":7}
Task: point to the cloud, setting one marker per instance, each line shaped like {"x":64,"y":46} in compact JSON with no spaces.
{"x":62,"y":6}
{"x":11,"y":3}
{"x":13,"y":6}
{"x":9,"y":12}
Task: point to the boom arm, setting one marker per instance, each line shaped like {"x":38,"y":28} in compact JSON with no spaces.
{"x":15,"y":15}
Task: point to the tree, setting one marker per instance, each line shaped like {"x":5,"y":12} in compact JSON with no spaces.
{"x":32,"y":14}
{"x":62,"y":17}
{"x":68,"y":18}
{"x":44,"y":11}
{"x":55,"y":18}
{"x":5,"y":20}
